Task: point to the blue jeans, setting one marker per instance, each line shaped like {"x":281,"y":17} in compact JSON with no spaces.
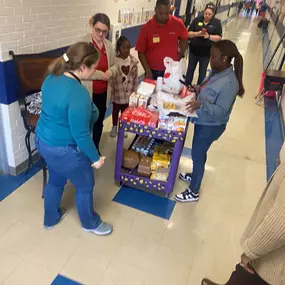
{"x":203,"y":65}
{"x":64,"y":163}
{"x":203,"y":138}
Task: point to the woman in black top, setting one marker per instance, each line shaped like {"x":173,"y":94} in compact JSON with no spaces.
{"x":203,"y":31}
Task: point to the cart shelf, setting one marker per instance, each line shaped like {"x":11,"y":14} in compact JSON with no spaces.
{"x":138,"y":181}
{"x":131,"y":177}
{"x":170,"y":136}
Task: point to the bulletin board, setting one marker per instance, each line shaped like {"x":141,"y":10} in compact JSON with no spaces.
{"x":113,"y":9}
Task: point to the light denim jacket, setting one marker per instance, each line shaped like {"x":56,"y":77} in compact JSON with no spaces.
{"x":217,"y":98}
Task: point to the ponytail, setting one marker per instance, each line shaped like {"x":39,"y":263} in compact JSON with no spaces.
{"x":91,"y":21}
{"x":230,"y":50}
{"x":238,"y":66}
{"x":58,"y":66}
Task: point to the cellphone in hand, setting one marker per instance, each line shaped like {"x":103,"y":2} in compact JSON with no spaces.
{"x":204,"y":30}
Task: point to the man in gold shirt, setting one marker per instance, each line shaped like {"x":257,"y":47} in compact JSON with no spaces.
{"x":263,"y":260}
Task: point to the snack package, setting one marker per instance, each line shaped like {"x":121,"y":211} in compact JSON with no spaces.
{"x":134,"y":99}
{"x":169,"y":103}
{"x":154,"y":119}
{"x":153,"y":100}
{"x":127,"y":114}
{"x":140,"y":116}
{"x":144,"y":166}
{"x":143,"y":100}
{"x":171,"y":123}
{"x":161,"y":174}
{"x":130,"y":159}
{"x":179,"y":124}
{"x":159,"y":160}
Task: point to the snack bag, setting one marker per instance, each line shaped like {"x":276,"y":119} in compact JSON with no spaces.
{"x":169,"y":103}
{"x":161,"y":174}
{"x":130,"y":159}
{"x":173,"y":74}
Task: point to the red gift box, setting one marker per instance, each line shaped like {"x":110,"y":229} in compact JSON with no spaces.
{"x":140,"y":116}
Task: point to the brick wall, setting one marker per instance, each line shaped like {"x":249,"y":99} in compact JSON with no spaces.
{"x":30,"y":26}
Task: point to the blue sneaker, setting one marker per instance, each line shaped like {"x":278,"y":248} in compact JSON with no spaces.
{"x":102,"y":230}
{"x":63,"y":212}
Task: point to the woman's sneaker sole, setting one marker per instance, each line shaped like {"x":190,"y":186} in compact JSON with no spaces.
{"x":100,"y":231}
{"x":186,"y":201}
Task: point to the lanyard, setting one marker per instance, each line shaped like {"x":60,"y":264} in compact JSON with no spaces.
{"x":74,"y":76}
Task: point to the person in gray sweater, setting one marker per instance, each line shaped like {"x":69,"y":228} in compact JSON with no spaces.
{"x":263,"y":260}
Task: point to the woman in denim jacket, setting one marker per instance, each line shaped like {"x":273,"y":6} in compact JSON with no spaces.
{"x":214,"y":104}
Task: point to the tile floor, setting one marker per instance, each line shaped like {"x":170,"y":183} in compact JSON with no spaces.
{"x":198,"y":240}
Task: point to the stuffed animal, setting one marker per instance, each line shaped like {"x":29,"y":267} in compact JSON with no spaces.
{"x":173,"y":74}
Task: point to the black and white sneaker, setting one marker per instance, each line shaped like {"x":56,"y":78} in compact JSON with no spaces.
{"x":187,"y":196}
{"x":185,"y":176}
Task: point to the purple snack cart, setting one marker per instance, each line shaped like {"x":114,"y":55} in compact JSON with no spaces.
{"x":131,"y":178}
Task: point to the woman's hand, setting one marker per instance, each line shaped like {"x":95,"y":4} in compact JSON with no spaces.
{"x":206,"y":36}
{"x":98,"y":164}
{"x":193,"y":106}
{"x":245,"y":263}
{"x":200,"y":34}
{"x":107,"y":75}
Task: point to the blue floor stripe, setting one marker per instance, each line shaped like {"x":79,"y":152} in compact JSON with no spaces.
{"x":273,"y":134}
{"x":146,"y":202}
{"x":61,"y":280}
{"x":267,"y":53}
{"x":273,"y":128}
{"x":9,"y":183}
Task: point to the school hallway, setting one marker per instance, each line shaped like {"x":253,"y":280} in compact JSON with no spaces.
{"x":174,"y":244}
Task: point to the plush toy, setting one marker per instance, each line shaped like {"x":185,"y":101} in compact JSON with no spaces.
{"x":173,"y":74}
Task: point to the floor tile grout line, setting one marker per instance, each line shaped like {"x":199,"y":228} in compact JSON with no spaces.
{"x":60,"y":271}
{"x":117,"y":250}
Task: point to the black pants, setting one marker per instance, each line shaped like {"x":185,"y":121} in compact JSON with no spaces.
{"x":203,"y":65}
{"x":242,"y":277}
{"x":157,"y":73}
{"x":100,"y":101}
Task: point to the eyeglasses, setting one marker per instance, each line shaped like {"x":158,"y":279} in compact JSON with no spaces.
{"x":99,"y":31}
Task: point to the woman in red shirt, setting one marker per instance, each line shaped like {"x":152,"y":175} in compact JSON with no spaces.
{"x":106,"y":68}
